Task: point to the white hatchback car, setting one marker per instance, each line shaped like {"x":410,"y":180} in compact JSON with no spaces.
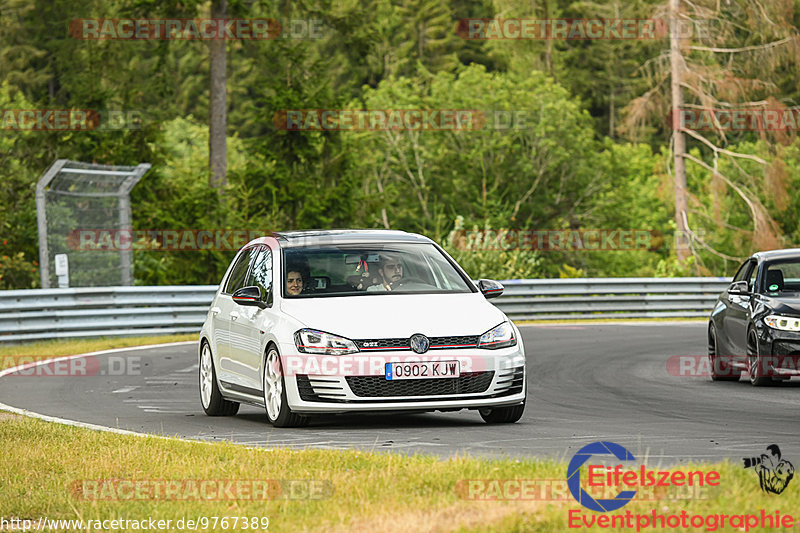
{"x":320,"y":322}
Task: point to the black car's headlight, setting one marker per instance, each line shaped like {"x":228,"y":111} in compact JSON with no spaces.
{"x":319,"y":342}
{"x":784,"y":323}
{"x":500,"y":336}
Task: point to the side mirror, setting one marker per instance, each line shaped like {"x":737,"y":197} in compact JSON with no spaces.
{"x":249,"y":296}
{"x":739,"y":287}
{"x":490,"y":288}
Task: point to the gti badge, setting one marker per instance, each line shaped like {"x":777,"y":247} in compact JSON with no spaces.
{"x":419,"y":343}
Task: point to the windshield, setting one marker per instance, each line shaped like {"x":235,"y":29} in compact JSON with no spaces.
{"x":366,"y":269}
{"x":782,"y":276}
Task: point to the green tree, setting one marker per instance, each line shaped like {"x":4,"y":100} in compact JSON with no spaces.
{"x":518,"y":163}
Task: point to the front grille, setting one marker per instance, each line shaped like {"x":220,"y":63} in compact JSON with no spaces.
{"x":469,"y":341}
{"x":437,"y":343}
{"x":379,"y":386}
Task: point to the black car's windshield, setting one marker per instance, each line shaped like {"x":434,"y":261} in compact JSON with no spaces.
{"x":369,"y":269}
{"x":782,"y":276}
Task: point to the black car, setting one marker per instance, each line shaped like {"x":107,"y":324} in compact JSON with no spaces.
{"x":755,"y":325}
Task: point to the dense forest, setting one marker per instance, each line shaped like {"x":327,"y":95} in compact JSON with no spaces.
{"x":573,"y":133}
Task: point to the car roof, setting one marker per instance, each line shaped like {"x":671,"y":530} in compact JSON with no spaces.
{"x":296,"y":239}
{"x":769,"y":255}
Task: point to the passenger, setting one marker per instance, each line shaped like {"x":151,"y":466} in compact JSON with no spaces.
{"x":296,"y":280}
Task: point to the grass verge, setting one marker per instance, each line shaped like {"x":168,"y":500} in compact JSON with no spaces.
{"x":43,"y":463}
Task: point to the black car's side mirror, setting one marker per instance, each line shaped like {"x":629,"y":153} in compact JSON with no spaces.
{"x":249,"y":296}
{"x":739,"y":287}
{"x":490,"y":288}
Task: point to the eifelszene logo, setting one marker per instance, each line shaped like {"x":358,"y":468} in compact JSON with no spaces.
{"x":774,"y":473}
{"x":609,"y":479}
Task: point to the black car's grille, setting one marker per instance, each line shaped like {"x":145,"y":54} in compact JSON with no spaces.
{"x":379,"y":386}
{"x":783,"y":348}
{"x":437,"y":343}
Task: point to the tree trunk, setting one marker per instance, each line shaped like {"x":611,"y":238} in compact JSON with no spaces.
{"x":676,"y":61}
{"x":548,"y":43}
{"x":217,"y":105}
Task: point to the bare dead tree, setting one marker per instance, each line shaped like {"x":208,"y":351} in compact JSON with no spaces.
{"x":679,"y":142}
{"x":714,"y":77}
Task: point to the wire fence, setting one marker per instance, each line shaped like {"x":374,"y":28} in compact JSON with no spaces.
{"x":72,"y":197}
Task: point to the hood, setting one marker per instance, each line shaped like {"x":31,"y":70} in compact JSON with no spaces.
{"x":378,"y":316}
{"x":788,"y":305}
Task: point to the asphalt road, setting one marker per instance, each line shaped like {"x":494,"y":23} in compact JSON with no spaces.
{"x":585,"y":383}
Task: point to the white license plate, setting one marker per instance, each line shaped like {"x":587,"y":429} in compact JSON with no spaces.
{"x":423,"y":370}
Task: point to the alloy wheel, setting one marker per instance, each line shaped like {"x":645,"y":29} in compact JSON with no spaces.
{"x":206,"y":376}
{"x":273,"y":384}
{"x":754,"y":362}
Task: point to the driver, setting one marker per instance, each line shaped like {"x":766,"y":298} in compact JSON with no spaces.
{"x":390,"y":270}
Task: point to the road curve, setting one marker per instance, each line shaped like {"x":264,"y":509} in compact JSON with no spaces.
{"x":586,"y":382}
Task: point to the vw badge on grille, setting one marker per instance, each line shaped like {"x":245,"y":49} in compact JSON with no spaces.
{"x":419,"y":343}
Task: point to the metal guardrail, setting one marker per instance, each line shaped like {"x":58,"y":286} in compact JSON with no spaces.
{"x":42,"y":314}
{"x":123,"y":311}
{"x":547,"y":299}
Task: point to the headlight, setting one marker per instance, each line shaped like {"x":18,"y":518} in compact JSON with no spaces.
{"x":319,"y":342}
{"x":785,"y":323}
{"x":498,"y":337}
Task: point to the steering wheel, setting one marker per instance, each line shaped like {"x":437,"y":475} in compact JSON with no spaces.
{"x":410,"y":281}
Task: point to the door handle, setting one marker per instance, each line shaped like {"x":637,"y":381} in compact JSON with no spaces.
{"x":234,"y":315}
{"x":215,"y":311}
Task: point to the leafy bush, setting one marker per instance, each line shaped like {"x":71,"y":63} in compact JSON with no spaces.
{"x":481,"y":258}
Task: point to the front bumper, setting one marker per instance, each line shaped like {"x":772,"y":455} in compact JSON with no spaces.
{"x":334,"y":384}
{"x":779,"y":352}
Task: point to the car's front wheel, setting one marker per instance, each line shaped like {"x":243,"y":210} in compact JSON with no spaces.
{"x":278,"y":412}
{"x":210,"y":396}
{"x":755,"y":363}
{"x":502,"y":415}
{"x":720,"y":369}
